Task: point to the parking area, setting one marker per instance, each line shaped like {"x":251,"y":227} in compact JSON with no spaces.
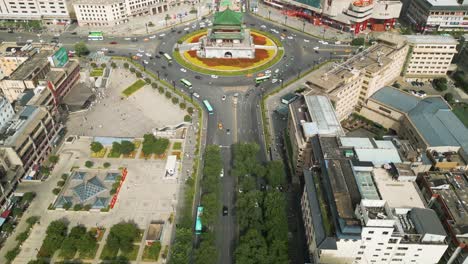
{"x":118,"y":116}
{"x":424,"y":88}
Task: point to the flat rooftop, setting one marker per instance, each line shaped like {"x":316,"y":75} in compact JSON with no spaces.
{"x":432,"y":39}
{"x":25,"y":69}
{"x":366,"y":184}
{"x":398,"y":194}
{"x":322,"y":115}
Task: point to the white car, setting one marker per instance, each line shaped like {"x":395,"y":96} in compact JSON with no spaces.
{"x":214,"y":76}
{"x":57,"y":35}
{"x":316,"y":48}
{"x":223,"y":98}
{"x":282,"y":38}
{"x":277,"y":70}
{"x":162,"y":35}
{"x":263,"y":26}
{"x":267,"y":71}
{"x":274,"y":80}
{"x":222,"y":173}
{"x":139,"y":55}
{"x":71,"y":51}
{"x":148,"y":54}
{"x":196,"y":95}
{"x":194,"y":25}
{"x":141,"y":51}
{"x":306,"y":40}
{"x":183,"y":70}
{"x":129,"y":38}
{"x":152,"y":37}
{"x":145,"y":62}
{"x":290,"y":37}
{"x":325,"y":43}
{"x":104,"y":49}
{"x":186,"y":29}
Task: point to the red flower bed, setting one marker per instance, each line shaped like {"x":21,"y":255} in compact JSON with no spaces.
{"x":197,"y":38}
{"x":258,"y":40}
{"x":260,"y":54}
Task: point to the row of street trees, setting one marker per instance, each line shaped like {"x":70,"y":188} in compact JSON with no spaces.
{"x":261,"y":216}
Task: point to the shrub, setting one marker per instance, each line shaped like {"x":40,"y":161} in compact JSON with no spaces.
{"x":440,"y":84}
{"x":21,"y":237}
{"x":103,"y":65}
{"x":60,"y":183}
{"x":127,"y":147}
{"x":161,"y":90}
{"x":448,"y":97}
{"x":89,"y":164}
{"x":11,"y":255}
{"x":96,"y":147}
{"x":106,"y":165}
{"x":132,"y":69}
{"x":126,"y":65}
{"x":182,"y":105}
{"x":77,"y":207}
{"x":168,"y":95}
{"x":150,"y":24}
{"x":64,"y":176}
{"x":396,"y":85}
{"x":138,"y":74}
{"x":67,"y":205}
{"x":175,"y":100}
{"x":147,"y":80}
{"x":87,"y":207}
{"x":113,"y":65}
{"x":190,"y":110}
{"x":358,"y":42}
{"x":94,"y":65}
{"x":56,"y":191}
{"x":32,"y":220}
{"x":187,"y":118}
{"x":53,"y":159}
{"x":154,"y":85}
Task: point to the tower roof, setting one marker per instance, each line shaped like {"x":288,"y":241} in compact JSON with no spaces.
{"x":228,"y":17}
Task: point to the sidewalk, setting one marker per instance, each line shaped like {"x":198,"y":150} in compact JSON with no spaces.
{"x":137,"y":25}
{"x":322,"y":32}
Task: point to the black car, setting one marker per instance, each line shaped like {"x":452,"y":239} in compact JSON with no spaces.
{"x":160,"y":52}
{"x":73,"y":33}
{"x":134,"y":39}
{"x":198,"y":77}
{"x":157,"y":56}
{"x":178,"y":32}
{"x":110,"y":51}
{"x":225,"y":210}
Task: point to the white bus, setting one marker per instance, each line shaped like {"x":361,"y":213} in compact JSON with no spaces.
{"x":168,"y":58}
{"x":95,"y":35}
{"x":186,"y":83}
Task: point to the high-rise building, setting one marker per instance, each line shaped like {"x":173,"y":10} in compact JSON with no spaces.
{"x":48,"y":11}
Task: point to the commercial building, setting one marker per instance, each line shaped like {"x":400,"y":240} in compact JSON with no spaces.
{"x":430,"y":56}
{"x":437,"y":15}
{"x":114,"y":12}
{"x":48,"y":11}
{"x":12,"y":56}
{"x":355,"y":213}
{"x":6,"y":112}
{"x":428,"y":123}
{"x":348,"y":84}
{"x":447,"y":193}
{"x":309,"y":116}
{"x":349,"y":15}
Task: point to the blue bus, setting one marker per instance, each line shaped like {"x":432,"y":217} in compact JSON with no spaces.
{"x":208,"y":107}
{"x":198,"y":223}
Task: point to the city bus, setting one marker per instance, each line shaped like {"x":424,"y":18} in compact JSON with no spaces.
{"x":168,"y":58}
{"x":186,"y":83}
{"x":198,"y":223}
{"x":95,"y":35}
{"x":262,"y":79}
{"x":208,"y":107}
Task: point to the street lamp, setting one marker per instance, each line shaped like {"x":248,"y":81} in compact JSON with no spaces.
{"x":191,"y":96}
{"x":269,"y":14}
{"x":158,"y":74}
{"x":285,"y":19}
{"x":303,"y":25}
{"x":146,"y":25}
{"x":173,"y":84}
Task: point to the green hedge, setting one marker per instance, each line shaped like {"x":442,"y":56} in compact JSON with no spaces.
{"x":134,"y":87}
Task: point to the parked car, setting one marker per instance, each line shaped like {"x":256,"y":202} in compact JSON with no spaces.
{"x":225,"y":210}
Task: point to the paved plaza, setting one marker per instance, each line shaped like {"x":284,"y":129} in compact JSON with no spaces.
{"x":117,"y":116}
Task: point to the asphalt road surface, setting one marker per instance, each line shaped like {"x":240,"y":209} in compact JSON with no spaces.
{"x":235,"y":119}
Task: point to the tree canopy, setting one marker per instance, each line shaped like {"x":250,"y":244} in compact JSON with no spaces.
{"x":96,"y":146}
{"x":81,"y":49}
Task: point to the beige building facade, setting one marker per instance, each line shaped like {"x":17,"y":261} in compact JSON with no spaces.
{"x":49,"y":11}
{"x":430,"y":56}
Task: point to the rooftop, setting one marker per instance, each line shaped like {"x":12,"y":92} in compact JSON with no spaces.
{"x":228,"y":17}
{"x":24,"y":71}
{"x":378,"y":152}
{"x":431,"y":39}
{"x":366,"y":184}
{"x":97,"y":2}
{"x":22,"y":125}
{"x":398,"y":194}
{"x":432,"y":116}
{"x":446,"y":3}
{"x":323,"y":116}
{"x":426,"y":221}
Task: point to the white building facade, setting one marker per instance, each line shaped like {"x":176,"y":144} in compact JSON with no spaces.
{"x":49,"y":11}
{"x":6,"y":112}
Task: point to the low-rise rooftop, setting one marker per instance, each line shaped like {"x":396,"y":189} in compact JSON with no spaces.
{"x":24,"y":70}
{"x":431,"y":39}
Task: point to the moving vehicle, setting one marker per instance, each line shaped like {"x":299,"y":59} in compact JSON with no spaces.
{"x":145,"y":61}
{"x":198,"y":222}
{"x":220,"y":126}
{"x":152,"y":37}
{"x":113,"y":42}
{"x":183,"y":70}
{"x":223,"y":98}
{"x":93,"y":35}
{"x":186,"y":83}
{"x":222,"y":173}
{"x":262,"y":79}
{"x":214,"y":76}
{"x":225,"y":210}
{"x":168,"y":58}
{"x":196,"y":95}
{"x":208,"y":107}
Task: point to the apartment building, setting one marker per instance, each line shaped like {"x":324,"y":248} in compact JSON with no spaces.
{"x":346,"y":15}
{"x":6,"y":111}
{"x":428,"y":123}
{"x":114,"y":12}
{"x":348,"y":84}
{"x":48,"y":11}
{"x":356,"y":213}
{"x":430,"y":56}
{"x":37,"y":71}
{"x":447,"y":193}
{"x":437,"y":15}
{"x":12,"y":56}
{"x":11,"y":171}
{"x":309,"y":116}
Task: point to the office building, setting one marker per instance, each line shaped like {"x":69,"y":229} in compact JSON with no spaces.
{"x":348,"y":84}
{"x":48,"y":11}
{"x":437,"y":15}
{"x":115,"y":12}
{"x":309,"y":116}
{"x":447,"y":193}
{"x":356,"y":213}
{"x":349,"y":16}
{"x":428,"y":123}
{"x":430,"y":56}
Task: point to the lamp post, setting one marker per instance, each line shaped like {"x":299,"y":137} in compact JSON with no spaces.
{"x":269,"y":14}
{"x":158,"y":74}
{"x":146,"y":25}
{"x":303,"y":26}
{"x":285,"y":19}
{"x":173,"y":84}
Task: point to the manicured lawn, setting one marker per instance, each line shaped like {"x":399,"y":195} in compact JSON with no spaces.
{"x":461,"y":111}
{"x":134,"y":87}
{"x":113,"y":154}
{"x":108,"y":253}
{"x":132,"y":255}
{"x":150,"y":256}
{"x":97,"y":72}
{"x":177,"y":146}
{"x":99,"y":154}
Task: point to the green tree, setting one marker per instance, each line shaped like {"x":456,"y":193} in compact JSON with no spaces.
{"x":38,"y":261}
{"x":252,"y":249}
{"x":161,"y":90}
{"x":154,"y":250}
{"x":211,"y":209}
{"x":132,"y":69}
{"x":148,"y":144}
{"x":448,"y":97}
{"x":147,"y":80}
{"x":126,"y":65}
{"x":116,"y":148}
{"x":138,"y":74}
{"x":86,"y":243}
{"x":8,"y":227}
{"x":278,"y":252}
{"x":67,"y":205}
{"x":89,"y":164}
{"x":154,"y":85}
{"x":249,"y":211}
{"x":161,"y":146}
{"x":53,"y":159}
{"x":206,"y":253}
{"x":440,"y":84}
{"x":32,"y":220}
{"x":96,"y":146}
{"x":127,"y":147}
{"x":275,"y":174}
{"x":187,"y":118}
{"x":274,"y":213}
{"x":358,"y":42}
{"x":182,"y":246}
{"x":11,"y":255}
{"x":122,"y":236}
{"x":28,"y":197}
{"x":190,"y":110}
{"x":168,"y":95}
{"x":21,"y":237}
{"x":17,"y":212}
{"x":64,"y":176}
{"x":106,"y":165}
{"x":56,"y":191}
{"x":113,"y":65}
{"x":182,"y":106}
{"x":55,"y":235}
{"x":81,"y":49}
{"x":175,"y":100}
{"x":60,"y":183}
{"x":103,"y":65}
{"x":77,"y":207}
